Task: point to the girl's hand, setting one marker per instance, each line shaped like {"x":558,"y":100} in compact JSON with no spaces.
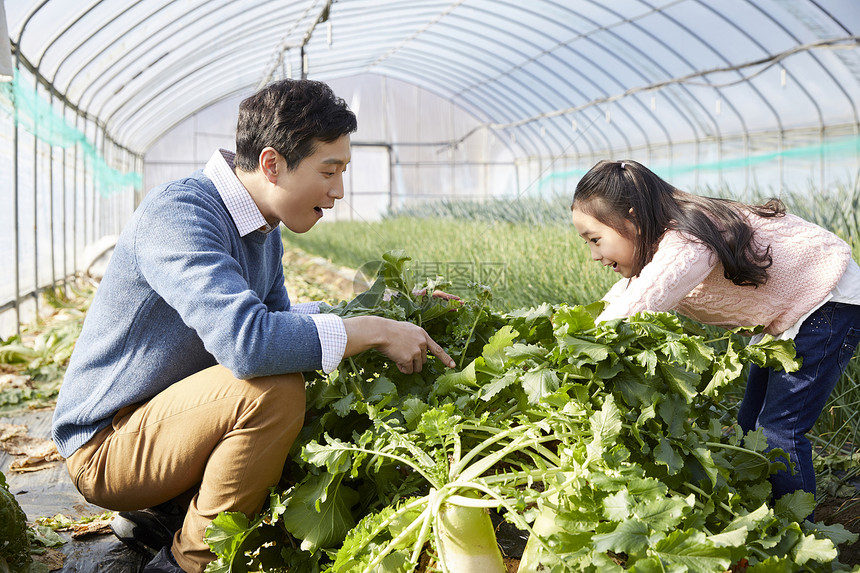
{"x":437,"y":294}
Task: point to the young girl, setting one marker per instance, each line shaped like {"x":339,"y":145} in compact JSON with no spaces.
{"x":728,"y":264}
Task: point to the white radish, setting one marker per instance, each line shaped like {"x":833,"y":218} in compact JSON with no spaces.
{"x":466,"y":540}
{"x":534,"y":559}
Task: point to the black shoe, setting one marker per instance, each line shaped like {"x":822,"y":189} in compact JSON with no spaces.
{"x":147,"y":531}
{"x":163,"y":562}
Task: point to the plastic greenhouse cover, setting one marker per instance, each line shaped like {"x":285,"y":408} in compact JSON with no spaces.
{"x":142,"y":67}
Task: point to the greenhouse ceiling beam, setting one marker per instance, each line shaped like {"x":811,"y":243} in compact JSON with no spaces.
{"x":419,"y":79}
{"x":538,"y":95}
{"x":568,"y":46}
{"x":204,"y":106}
{"x":454,"y":50}
{"x":564,"y":64}
{"x":177,"y":75}
{"x":658,"y":85}
{"x":125,"y":35}
{"x":418,"y":75}
{"x":535,"y":60}
{"x":216,"y":88}
{"x":716,"y":52}
{"x":832,"y":18}
{"x":433,"y":21}
{"x":852,"y":104}
{"x":644,"y":55}
{"x":452,"y":45}
{"x":151,"y":140}
{"x":623,"y":62}
{"x":286,"y":46}
{"x":449,"y":45}
{"x":236,"y":37}
{"x":669,"y":47}
{"x":105,"y":79}
{"x":504,"y":106}
{"x":460,"y":56}
{"x":48,"y":45}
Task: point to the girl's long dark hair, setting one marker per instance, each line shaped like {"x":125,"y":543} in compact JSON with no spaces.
{"x":617,"y":191}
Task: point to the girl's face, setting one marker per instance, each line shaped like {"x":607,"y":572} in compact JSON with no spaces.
{"x":608,"y":247}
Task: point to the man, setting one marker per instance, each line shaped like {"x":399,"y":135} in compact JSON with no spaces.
{"x":186,"y":380}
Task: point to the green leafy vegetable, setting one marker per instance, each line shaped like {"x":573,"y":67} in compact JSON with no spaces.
{"x":612,"y":445}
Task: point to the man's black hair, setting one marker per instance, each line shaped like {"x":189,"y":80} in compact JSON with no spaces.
{"x":291,"y":116}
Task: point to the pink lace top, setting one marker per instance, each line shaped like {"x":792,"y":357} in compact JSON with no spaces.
{"x":684,"y":275}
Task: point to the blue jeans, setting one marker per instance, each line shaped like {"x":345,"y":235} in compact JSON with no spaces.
{"x":787,"y":404}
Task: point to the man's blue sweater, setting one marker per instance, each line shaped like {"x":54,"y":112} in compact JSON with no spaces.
{"x":182,"y":292}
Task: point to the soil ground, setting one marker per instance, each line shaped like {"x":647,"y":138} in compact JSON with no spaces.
{"x":847,"y":512}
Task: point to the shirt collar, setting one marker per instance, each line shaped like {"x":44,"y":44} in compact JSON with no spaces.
{"x":245,"y":213}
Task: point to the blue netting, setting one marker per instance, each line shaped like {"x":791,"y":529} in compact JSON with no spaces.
{"x":36,"y":116}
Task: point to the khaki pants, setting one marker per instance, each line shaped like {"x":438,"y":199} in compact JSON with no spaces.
{"x":224,"y":440}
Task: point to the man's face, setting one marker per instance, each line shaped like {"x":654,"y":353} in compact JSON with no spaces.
{"x":300,"y":195}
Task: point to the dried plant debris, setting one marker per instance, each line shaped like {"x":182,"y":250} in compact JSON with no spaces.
{"x":33,"y":453}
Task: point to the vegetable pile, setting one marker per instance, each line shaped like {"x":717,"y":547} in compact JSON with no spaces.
{"x":610,"y":446}
{"x":14,"y":541}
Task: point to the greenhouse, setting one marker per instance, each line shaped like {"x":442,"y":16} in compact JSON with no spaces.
{"x":478,"y":396}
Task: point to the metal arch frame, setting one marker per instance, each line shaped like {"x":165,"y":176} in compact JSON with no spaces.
{"x":716,"y":88}
{"x":824,"y":68}
{"x":125,"y":33}
{"x":632,"y":68}
{"x":114,"y":77}
{"x":567,"y":65}
{"x":528,"y":145}
{"x":39,"y":78}
{"x":376,"y":64}
{"x":117,"y":110}
{"x":826,"y":71}
{"x":202,"y":107}
{"x":754,"y":88}
{"x":449,"y":47}
{"x":93,"y":6}
{"x":195,"y":49}
{"x":673,"y":101}
{"x":529,"y":75}
{"x":74,"y":74}
{"x":470,"y":109}
{"x":127,"y":107}
{"x":553,"y":128}
{"x":152,"y":98}
{"x":549,"y":53}
{"x":442,"y":48}
{"x":832,"y":18}
{"x":239,"y":91}
{"x":47,"y":47}
{"x":656,"y":64}
{"x":587,"y":37}
{"x":641,"y":53}
{"x":491,"y":41}
{"x":412,"y":74}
